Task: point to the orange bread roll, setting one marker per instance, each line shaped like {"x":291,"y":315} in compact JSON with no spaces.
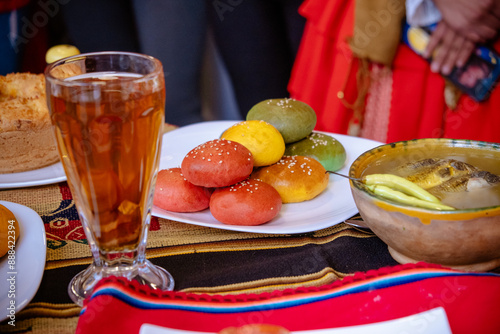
{"x":255,"y":329}
{"x":296,"y":178}
{"x":9,"y":230}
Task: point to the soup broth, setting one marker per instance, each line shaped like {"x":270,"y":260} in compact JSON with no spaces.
{"x":482,"y":157}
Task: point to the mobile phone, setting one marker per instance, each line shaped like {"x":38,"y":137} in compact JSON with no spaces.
{"x":477,"y":78}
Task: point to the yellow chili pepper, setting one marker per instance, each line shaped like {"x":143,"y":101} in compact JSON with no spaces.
{"x":401,"y":184}
{"x":401,"y":197}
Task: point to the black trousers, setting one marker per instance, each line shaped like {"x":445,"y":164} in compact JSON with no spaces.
{"x":173,"y":31}
{"x":258,"y":41}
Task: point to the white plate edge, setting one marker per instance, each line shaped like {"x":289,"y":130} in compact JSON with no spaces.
{"x":31,"y":223}
{"x":56,"y":175}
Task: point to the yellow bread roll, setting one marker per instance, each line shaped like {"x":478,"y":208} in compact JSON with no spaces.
{"x":61,"y":51}
{"x":261,"y":138}
{"x":296,"y":178}
{"x":9,"y":230}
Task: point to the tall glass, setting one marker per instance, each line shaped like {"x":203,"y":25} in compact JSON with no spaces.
{"x":107,"y":109}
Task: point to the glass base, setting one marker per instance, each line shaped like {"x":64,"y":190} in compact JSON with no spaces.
{"x":82,"y":285}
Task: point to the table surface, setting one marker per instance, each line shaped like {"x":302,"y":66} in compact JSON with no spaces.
{"x":201,"y":259}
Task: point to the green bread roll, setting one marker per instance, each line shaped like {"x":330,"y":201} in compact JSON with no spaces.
{"x":324,"y":148}
{"x":293,"y":119}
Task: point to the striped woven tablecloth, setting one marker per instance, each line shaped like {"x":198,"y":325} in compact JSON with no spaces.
{"x":201,"y":259}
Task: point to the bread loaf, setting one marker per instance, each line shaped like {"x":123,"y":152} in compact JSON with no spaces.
{"x":27,"y":140}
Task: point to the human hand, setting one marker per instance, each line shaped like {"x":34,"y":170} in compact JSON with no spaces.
{"x":448,"y":49}
{"x":477,"y":20}
{"x":496,"y":9}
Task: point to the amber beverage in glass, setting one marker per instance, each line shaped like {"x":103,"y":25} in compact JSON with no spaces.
{"x":107,"y":109}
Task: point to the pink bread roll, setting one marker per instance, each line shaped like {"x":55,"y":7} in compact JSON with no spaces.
{"x":217,"y":163}
{"x":251,"y":202}
{"x":174,"y":193}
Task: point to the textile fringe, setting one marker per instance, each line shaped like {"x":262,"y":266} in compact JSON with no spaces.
{"x":378,"y":104}
{"x":362,"y":86}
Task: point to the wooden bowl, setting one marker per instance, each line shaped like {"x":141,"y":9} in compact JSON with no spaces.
{"x":466,"y":239}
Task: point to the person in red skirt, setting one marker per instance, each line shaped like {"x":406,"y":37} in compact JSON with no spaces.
{"x":355,"y":72}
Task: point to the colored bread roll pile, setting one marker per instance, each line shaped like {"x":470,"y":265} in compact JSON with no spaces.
{"x":214,"y":175}
{"x":245,"y":176}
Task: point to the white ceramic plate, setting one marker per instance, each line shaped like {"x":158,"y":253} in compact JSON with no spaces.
{"x":434,"y":321}
{"x":331,"y":207}
{"x":47,"y":175}
{"x":30,"y":251}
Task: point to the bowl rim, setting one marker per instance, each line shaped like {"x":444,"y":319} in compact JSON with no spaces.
{"x":455,"y":142}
